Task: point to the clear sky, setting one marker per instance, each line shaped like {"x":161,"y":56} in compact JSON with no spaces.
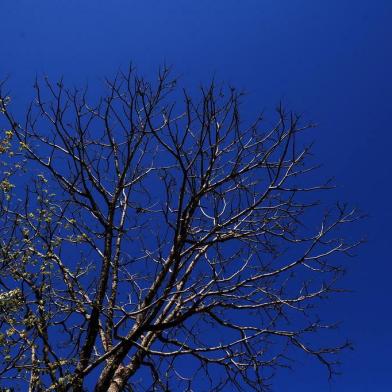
{"x":331,"y":60}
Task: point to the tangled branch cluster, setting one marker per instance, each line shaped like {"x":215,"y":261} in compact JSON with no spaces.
{"x":154,"y":245}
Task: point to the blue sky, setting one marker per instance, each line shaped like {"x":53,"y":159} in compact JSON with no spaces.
{"x":330,"y":60}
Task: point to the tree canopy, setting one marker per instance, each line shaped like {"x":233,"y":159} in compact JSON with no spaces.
{"x":154,"y":240}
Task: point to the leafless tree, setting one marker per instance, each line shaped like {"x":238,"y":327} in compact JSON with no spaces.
{"x":151,"y":241}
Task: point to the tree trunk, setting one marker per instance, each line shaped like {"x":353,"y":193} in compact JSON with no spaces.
{"x":119,"y":380}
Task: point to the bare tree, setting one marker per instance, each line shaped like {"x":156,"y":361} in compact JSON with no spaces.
{"x":153,"y":245}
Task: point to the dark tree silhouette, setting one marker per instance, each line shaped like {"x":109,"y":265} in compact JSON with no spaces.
{"x":152,"y":241}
